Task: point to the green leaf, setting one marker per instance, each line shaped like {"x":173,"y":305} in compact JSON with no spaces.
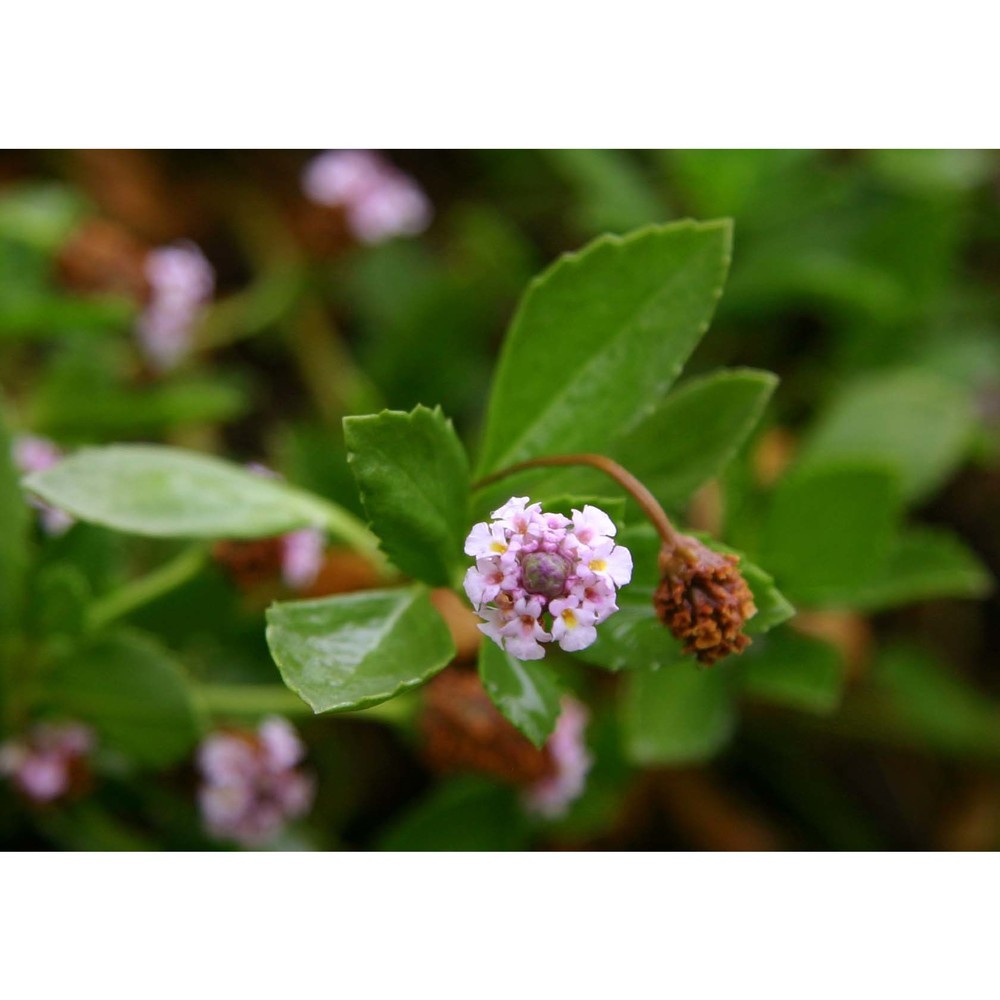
{"x":695,"y":431}
{"x":355,"y":650}
{"x":773,"y":607}
{"x":41,"y":215}
{"x":463,"y":814}
{"x":612,"y":192}
{"x":525,"y":691}
{"x":916,"y":423}
{"x":413,"y":476}
{"x":600,"y":337}
{"x":78,"y":409}
{"x":132,"y":692}
{"x":926,"y":563}
{"x":794,"y":670}
{"x":928,"y":704}
{"x":678,"y":714}
{"x":14,"y":536}
{"x":829,"y":532}
{"x":168,"y":492}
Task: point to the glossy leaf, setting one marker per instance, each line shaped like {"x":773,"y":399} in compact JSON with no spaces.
{"x":413,"y":476}
{"x":794,"y":670}
{"x":677,"y":714}
{"x":132,"y":692}
{"x":912,"y":421}
{"x":354,"y":650}
{"x":525,"y":691}
{"x":829,"y":532}
{"x":600,"y":337}
{"x":168,"y":492}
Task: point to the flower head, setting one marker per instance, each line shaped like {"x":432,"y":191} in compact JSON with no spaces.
{"x":181,"y":282}
{"x":703,"y":599}
{"x":379,"y":201}
{"x":542,"y":577}
{"x":49,"y":761}
{"x":251,"y":783}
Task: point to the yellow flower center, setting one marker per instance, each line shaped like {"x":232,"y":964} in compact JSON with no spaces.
{"x":598,"y":565}
{"x":569,"y":618}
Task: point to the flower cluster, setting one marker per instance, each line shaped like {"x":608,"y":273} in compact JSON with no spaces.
{"x":35,"y":454}
{"x":530,"y":564}
{"x":181,"y":282}
{"x":379,"y":201}
{"x":50,"y":761}
{"x":252,"y":785}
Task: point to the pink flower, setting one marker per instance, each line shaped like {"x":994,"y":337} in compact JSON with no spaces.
{"x":533,"y":567}
{"x":302,"y":555}
{"x":251,"y":785}
{"x":42,"y":764}
{"x":181,"y":282}
{"x":35,"y":454}
{"x":552,"y":795}
{"x":379,"y":201}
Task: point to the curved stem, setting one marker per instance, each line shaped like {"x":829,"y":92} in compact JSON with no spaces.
{"x":137,"y":593}
{"x":649,"y":505}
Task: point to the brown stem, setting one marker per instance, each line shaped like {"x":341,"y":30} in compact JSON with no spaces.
{"x":647,"y":502}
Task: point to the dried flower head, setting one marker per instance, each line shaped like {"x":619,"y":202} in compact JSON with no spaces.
{"x":703,"y":599}
{"x":50,"y":761}
{"x":542,"y":577}
{"x":251,"y":783}
{"x":464,"y":731}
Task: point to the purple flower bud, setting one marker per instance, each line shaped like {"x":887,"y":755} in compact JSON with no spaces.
{"x":545,"y":573}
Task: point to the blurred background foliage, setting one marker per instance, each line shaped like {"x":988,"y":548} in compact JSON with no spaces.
{"x":866,"y":280}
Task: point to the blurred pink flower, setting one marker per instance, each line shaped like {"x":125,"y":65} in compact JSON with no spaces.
{"x":42,"y":764}
{"x":379,"y":201}
{"x":251,"y":785}
{"x":181,"y":282}
{"x":35,"y":454}
{"x":552,"y":796}
{"x":302,"y":555}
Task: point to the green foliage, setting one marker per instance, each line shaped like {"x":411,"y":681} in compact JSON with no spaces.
{"x":525,"y":691}
{"x":132,"y":692}
{"x":925,"y":563}
{"x":167,"y":492}
{"x":911,"y":421}
{"x":464,"y":814}
{"x":599,"y":338}
{"x":829,"y":531}
{"x":931,"y":706}
{"x":677,"y":714}
{"x":14,"y":552}
{"x":348,"y":652}
{"x":694,"y":432}
{"x":413,"y":476}
{"x":794,"y":670}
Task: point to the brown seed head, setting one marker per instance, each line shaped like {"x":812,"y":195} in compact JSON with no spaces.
{"x":703,"y":599}
{"x":463,"y":731}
